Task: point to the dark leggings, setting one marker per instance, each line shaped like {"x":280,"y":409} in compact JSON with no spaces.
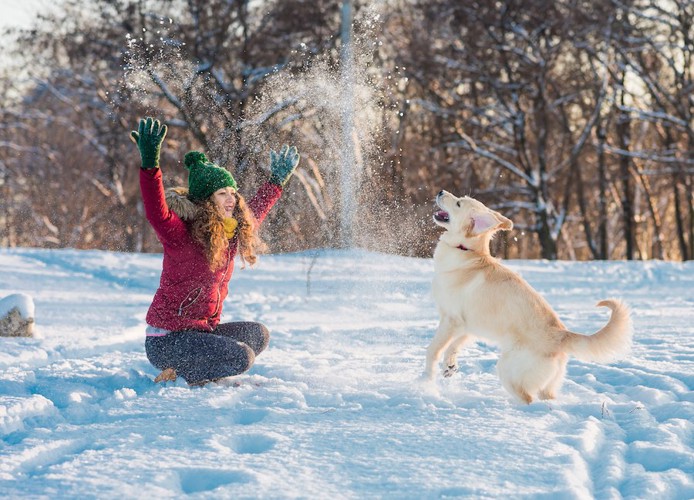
{"x":202,"y":356}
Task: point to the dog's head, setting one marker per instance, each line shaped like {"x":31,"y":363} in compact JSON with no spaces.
{"x":467,"y":221}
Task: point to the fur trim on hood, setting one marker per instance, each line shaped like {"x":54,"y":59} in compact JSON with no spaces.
{"x":177,"y":200}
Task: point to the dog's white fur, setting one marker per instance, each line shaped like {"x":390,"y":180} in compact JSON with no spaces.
{"x":478,"y":297}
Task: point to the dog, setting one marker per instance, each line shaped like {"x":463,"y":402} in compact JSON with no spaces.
{"x":478,"y":297}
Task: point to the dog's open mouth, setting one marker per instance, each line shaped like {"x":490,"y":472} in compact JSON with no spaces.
{"x":441,"y":216}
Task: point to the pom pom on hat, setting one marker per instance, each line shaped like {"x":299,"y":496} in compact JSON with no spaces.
{"x":204,"y":177}
{"x":193,"y":157}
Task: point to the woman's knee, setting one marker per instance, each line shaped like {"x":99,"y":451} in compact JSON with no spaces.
{"x":255,"y":335}
{"x":234,"y":359}
{"x":245,"y":359}
{"x":263,"y":339}
{"x":251,"y":333}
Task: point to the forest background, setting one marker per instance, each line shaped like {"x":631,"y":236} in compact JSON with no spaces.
{"x":573,"y":118}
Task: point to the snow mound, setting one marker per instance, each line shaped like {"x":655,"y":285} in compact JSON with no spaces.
{"x":20,"y":301}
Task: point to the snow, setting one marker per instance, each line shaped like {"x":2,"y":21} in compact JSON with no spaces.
{"x":20,"y":301}
{"x":334,"y":408}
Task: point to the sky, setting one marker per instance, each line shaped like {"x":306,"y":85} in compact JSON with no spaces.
{"x":335,"y":407}
{"x":18,"y":12}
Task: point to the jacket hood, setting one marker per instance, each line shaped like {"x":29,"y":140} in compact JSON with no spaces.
{"x":177,"y":200}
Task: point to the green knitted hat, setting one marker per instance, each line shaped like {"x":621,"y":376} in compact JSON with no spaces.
{"x":204,"y":177}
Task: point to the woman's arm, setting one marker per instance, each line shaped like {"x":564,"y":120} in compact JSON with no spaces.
{"x":168,"y":226}
{"x":282,"y":167}
{"x":149,"y":138}
{"x":264,"y":200}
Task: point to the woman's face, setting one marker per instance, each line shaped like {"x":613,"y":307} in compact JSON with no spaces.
{"x":225,"y":201}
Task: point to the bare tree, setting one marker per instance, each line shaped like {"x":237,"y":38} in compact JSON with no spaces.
{"x":658,"y":49}
{"x":507,"y":90}
{"x":573,"y":117}
{"x":199,"y":67}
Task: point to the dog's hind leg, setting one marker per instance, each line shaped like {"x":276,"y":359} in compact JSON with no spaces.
{"x":552,"y":388}
{"x":450,"y":358}
{"x":524,"y":372}
{"x":441,"y":340}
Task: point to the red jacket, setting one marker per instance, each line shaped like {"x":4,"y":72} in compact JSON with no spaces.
{"x":190,"y":294}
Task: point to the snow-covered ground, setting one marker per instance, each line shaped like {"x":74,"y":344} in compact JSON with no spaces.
{"x":333,"y":409}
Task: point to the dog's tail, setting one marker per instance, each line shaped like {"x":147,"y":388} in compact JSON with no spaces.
{"x":610,"y":342}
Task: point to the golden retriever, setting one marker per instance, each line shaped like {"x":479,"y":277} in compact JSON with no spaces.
{"x":478,"y":297}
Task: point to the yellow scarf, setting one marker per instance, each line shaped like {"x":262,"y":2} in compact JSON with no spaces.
{"x":230,"y":225}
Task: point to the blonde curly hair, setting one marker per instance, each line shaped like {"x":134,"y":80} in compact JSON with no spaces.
{"x":207,"y":228}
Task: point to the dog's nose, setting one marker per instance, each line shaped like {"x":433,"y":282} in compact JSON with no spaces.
{"x":440,"y":193}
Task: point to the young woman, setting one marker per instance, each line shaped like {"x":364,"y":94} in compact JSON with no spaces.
{"x":202,"y":229}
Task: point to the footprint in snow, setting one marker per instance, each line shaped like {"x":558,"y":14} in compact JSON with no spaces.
{"x":248,"y":417}
{"x":199,"y":480}
{"x":253,"y":444}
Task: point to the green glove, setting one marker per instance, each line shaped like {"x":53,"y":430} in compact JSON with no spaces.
{"x":148,"y":138}
{"x":282,"y":165}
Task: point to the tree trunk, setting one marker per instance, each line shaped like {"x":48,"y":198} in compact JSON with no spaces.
{"x":679,"y":219}
{"x":624,"y":138}
{"x":581,"y":198}
{"x":603,"y":242}
{"x":657,"y":241}
{"x":688,"y":184}
{"x":548,"y":244}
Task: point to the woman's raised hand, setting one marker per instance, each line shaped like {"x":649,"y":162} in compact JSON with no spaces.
{"x":149,"y":137}
{"x":282,"y":165}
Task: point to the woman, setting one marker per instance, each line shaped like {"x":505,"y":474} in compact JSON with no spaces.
{"x":202,"y":229}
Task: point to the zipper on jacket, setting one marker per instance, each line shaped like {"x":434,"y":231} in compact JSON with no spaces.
{"x":190,"y":299}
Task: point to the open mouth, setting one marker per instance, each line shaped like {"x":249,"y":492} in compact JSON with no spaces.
{"x":441,"y":216}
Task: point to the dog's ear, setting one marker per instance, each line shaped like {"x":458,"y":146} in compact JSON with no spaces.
{"x":483,"y":222}
{"x":504,"y":223}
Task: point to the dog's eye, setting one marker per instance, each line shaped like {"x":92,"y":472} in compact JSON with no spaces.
{"x":458,"y":203}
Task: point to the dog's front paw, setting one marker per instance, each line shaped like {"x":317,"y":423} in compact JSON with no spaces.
{"x":450,"y":370}
{"x":426,"y":378}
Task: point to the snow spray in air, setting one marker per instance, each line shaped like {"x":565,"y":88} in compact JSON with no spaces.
{"x":336,"y":106}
